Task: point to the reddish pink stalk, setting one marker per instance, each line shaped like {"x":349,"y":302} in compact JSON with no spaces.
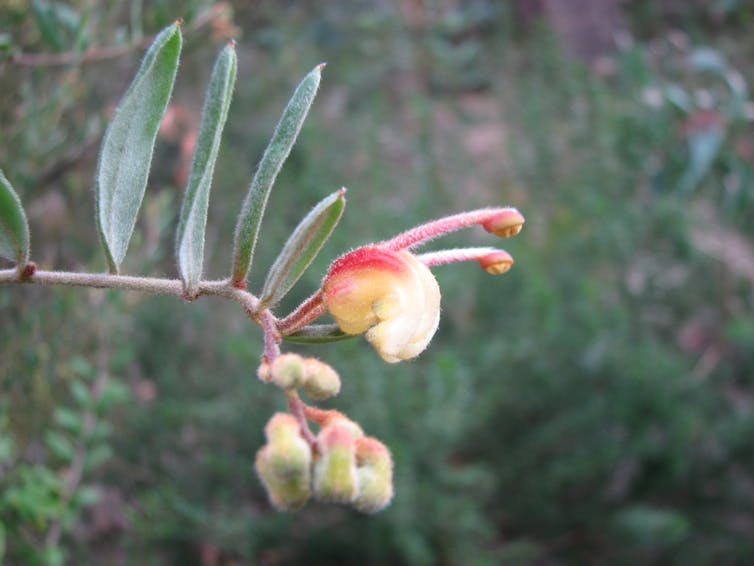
{"x":492,"y":260}
{"x":311,"y":309}
{"x":502,"y":221}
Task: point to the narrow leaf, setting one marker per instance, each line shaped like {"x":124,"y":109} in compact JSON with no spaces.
{"x":60,"y":445}
{"x":286,"y":132}
{"x":14,"y":228}
{"x":302,"y":247}
{"x":127,"y":146}
{"x":318,"y":334}
{"x":189,"y":246}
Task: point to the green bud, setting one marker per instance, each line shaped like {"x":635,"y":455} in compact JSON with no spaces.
{"x":322,"y":381}
{"x":284,"y":464}
{"x":374,"y":475}
{"x":287,"y":371}
{"x":335,"y":472}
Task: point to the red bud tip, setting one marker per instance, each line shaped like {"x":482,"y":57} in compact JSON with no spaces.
{"x":321,"y":66}
{"x":505,"y":224}
{"x":496,"y":262}
{"x":179,"y":22}
{"x":232,"y":43}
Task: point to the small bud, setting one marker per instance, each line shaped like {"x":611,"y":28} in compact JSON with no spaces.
{"x":284,"y":464}
{"x":321,"y":380}
{"x":508,"y":222}
{"x":287,"y":371}
{"x":335,"y":472}
{"x":374,"y":475}
{"x":496,"y":262}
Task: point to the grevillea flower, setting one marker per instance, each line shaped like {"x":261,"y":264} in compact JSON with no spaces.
{"x":390,"y":295}
{"x":387,"y":292}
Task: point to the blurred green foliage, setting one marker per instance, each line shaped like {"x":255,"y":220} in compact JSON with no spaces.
{"x":593,"y":406}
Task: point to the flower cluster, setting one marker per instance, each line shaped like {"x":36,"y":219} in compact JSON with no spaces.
{"x":388,"y":293}
{"x":346,"y":467}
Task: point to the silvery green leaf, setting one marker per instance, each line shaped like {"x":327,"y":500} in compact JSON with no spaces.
{"x":286,"y":132}
{"x":189,"y":246}
{"x":127,"y":146}
{"x":14,"y":228}
{"x":318,"y":334}
{"x":302,"y":247}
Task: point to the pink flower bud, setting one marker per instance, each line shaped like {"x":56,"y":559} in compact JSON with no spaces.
{"x":335,"y":477}
{"x":390,"y":295}
{"x":374,"y":473}
{"x":284,"y":463}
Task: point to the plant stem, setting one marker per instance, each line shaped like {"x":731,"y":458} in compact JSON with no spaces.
{"x":152,"y":285}
{"x":298,"y":409}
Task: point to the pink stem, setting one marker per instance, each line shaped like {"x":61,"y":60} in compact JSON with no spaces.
{"x":298,"y":409}
{"x":271,"y":335}
{"x":454,"y":255}
{"x":435,"y":228}
{"x":311,"y":309}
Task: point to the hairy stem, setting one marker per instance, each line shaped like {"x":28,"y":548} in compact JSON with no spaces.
{"x":311,"y":309}
{"x":435,"y":228}
{"x":151,"y":285}
{"x":298,"y":409}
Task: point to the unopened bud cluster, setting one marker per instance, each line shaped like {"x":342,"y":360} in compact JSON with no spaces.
{"x":344,"y":467}
{"x":291,"y":371}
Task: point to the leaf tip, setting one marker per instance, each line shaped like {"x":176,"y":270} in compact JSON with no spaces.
{"x":320,"y":67}
{"x":232,"y":43}
{"x":342,"y":192}
{"x":178,"y":22}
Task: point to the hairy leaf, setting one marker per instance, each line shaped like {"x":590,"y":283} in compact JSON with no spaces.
{"x":14,"y":228}
{"x":127,"y":147}
{"x":286,"y":132}
{"x":302,"y":247}
{"x":189,"y":245}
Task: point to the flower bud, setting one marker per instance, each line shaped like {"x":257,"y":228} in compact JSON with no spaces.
{"x":374,"y":475}
{"x":321,"y":381}
{"x":287,"y":371}
{"x":284,"y":463}
{"x":508,"y":222}
{"x":335,"y":472}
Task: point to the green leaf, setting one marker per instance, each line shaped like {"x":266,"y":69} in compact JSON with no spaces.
{"x":69,"y":420}
{"x":704,"y":147}
{"x":318,"y":334}
{"x":60,"y":446}
{"x":81,"y":394}
{"x":302,"y":247}
{"x":127,"y":147}
{"x":189,"y":247}
{"x":97,"y":456}
{"x":286,"y":132}
{"x":14,"y":228}
{"x":86,"y":495}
